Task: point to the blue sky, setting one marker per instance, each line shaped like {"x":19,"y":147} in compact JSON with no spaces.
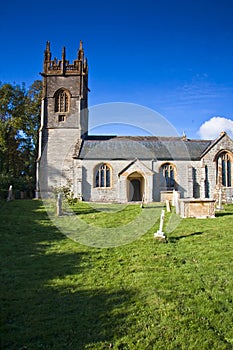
{"x":172,"y":56}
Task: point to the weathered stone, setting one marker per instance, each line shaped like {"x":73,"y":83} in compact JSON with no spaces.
{"x":137,"y":165}
{"x":197,"y":208}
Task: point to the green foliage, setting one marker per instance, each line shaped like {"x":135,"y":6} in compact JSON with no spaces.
{"x":18,"y":184}
{"x":19,"y":120}
{"x":66,"y":192}
{"x":58,"y":294}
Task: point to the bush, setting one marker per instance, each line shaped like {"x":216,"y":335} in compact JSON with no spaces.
{"x":67,"y":193}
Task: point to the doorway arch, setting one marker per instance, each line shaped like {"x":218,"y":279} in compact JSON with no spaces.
{"x":136,"y":185}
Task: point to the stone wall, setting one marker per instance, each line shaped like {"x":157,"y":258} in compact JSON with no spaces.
{"x":118,"y":191}
{"x":56,"y":165}
{"x":224,"y":143}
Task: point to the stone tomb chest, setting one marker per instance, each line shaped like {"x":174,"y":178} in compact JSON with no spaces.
{"x":197,"y":208}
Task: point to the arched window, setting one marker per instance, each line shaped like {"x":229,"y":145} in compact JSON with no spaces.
{"x":224,"y":169}
{"x":168,"y":176}
{"x":103,"y":176}
{"x":61,"y":101}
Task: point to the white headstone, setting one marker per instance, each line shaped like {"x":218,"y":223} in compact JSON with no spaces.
{"x":10,"y":194}
{"x":173,"y":197}
{"x":160,"y":234}
{"x":175,"y":201}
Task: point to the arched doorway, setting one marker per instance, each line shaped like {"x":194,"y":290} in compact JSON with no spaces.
{"x":136,"y":195}
{"x":135,"y":187}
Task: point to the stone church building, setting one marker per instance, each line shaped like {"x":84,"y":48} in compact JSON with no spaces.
{"x":118,"y":168}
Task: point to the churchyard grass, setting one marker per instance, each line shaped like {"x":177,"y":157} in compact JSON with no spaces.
{"x":58,"y":294}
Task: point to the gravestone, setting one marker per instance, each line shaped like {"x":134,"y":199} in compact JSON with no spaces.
{"x":229,"y":195}
{"x":160,"y":234}
{"x":175,"y":201}
{"x":168,"y":206}
{"x":143,"y":200}
{"x":219,"y":204}
{"x":10,"y":194}
{"x":59,"y":204}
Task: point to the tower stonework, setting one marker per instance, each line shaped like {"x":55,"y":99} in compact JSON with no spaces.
{"x":64,"y":117}
{"x":111,"y":168}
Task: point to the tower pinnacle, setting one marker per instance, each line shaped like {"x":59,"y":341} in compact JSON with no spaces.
{"x":47,"y":53}
{"x":63,"y":66}
{"x":80,"y":51}
{"x":63,"y":54}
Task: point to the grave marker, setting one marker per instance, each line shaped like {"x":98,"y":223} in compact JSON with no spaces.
{"x":160,"y":234}
{"x":219,"y":205}
{"x":59,"y":204}
{"x":10,"y":194}
{"x":168,"y":206}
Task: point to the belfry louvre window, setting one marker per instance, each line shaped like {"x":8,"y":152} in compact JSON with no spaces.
{"x":61,"y":101}
{"x":103,"y":176}
{"x":61,"y":118}
{"x":168,"y":174}
{"x":224,"y":169}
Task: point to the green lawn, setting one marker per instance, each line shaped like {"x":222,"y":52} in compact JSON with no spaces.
{"x":59,"y":294}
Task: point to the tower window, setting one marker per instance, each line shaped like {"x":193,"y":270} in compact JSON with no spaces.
{"x":61,"y":101}
{"x":61,"y":118}
{"x":224,"y":169}
{"x":168,"y":176}
{"x":103,"y":176}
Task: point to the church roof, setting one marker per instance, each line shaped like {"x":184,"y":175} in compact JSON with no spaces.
{"x":141,"y":147}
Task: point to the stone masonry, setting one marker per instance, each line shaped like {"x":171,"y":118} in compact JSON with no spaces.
{"x":116,"y":168}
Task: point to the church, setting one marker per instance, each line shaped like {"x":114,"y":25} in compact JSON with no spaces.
{"x":114,"y":168}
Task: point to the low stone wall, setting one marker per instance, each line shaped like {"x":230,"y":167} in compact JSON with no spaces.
{"x":17,"y":194}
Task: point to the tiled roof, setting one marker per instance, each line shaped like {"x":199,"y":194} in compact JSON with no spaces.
{"x":141,"y":147}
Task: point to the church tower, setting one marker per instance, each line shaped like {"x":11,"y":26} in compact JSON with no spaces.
{"x":64,"y":117}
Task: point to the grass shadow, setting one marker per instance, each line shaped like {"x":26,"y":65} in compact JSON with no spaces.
{"x":45,"y":304}
{"x":175,"y":239}
{"x":223,"y":213}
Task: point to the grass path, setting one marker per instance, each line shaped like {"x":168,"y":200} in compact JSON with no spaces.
{"x":58,"y":294}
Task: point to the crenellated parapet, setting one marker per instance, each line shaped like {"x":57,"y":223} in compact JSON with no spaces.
{"x":63,"y":66}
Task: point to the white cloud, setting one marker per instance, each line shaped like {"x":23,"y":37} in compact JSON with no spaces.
{"x":212,"y":128}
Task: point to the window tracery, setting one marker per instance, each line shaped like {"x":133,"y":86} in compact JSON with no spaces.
{"x":224,"y":169}
{"x":62,"y":101}
{"x":168,"y":175}
{"x":103,"y":176}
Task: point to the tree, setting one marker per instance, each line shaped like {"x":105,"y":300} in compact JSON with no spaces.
{"x":19,"y":122}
